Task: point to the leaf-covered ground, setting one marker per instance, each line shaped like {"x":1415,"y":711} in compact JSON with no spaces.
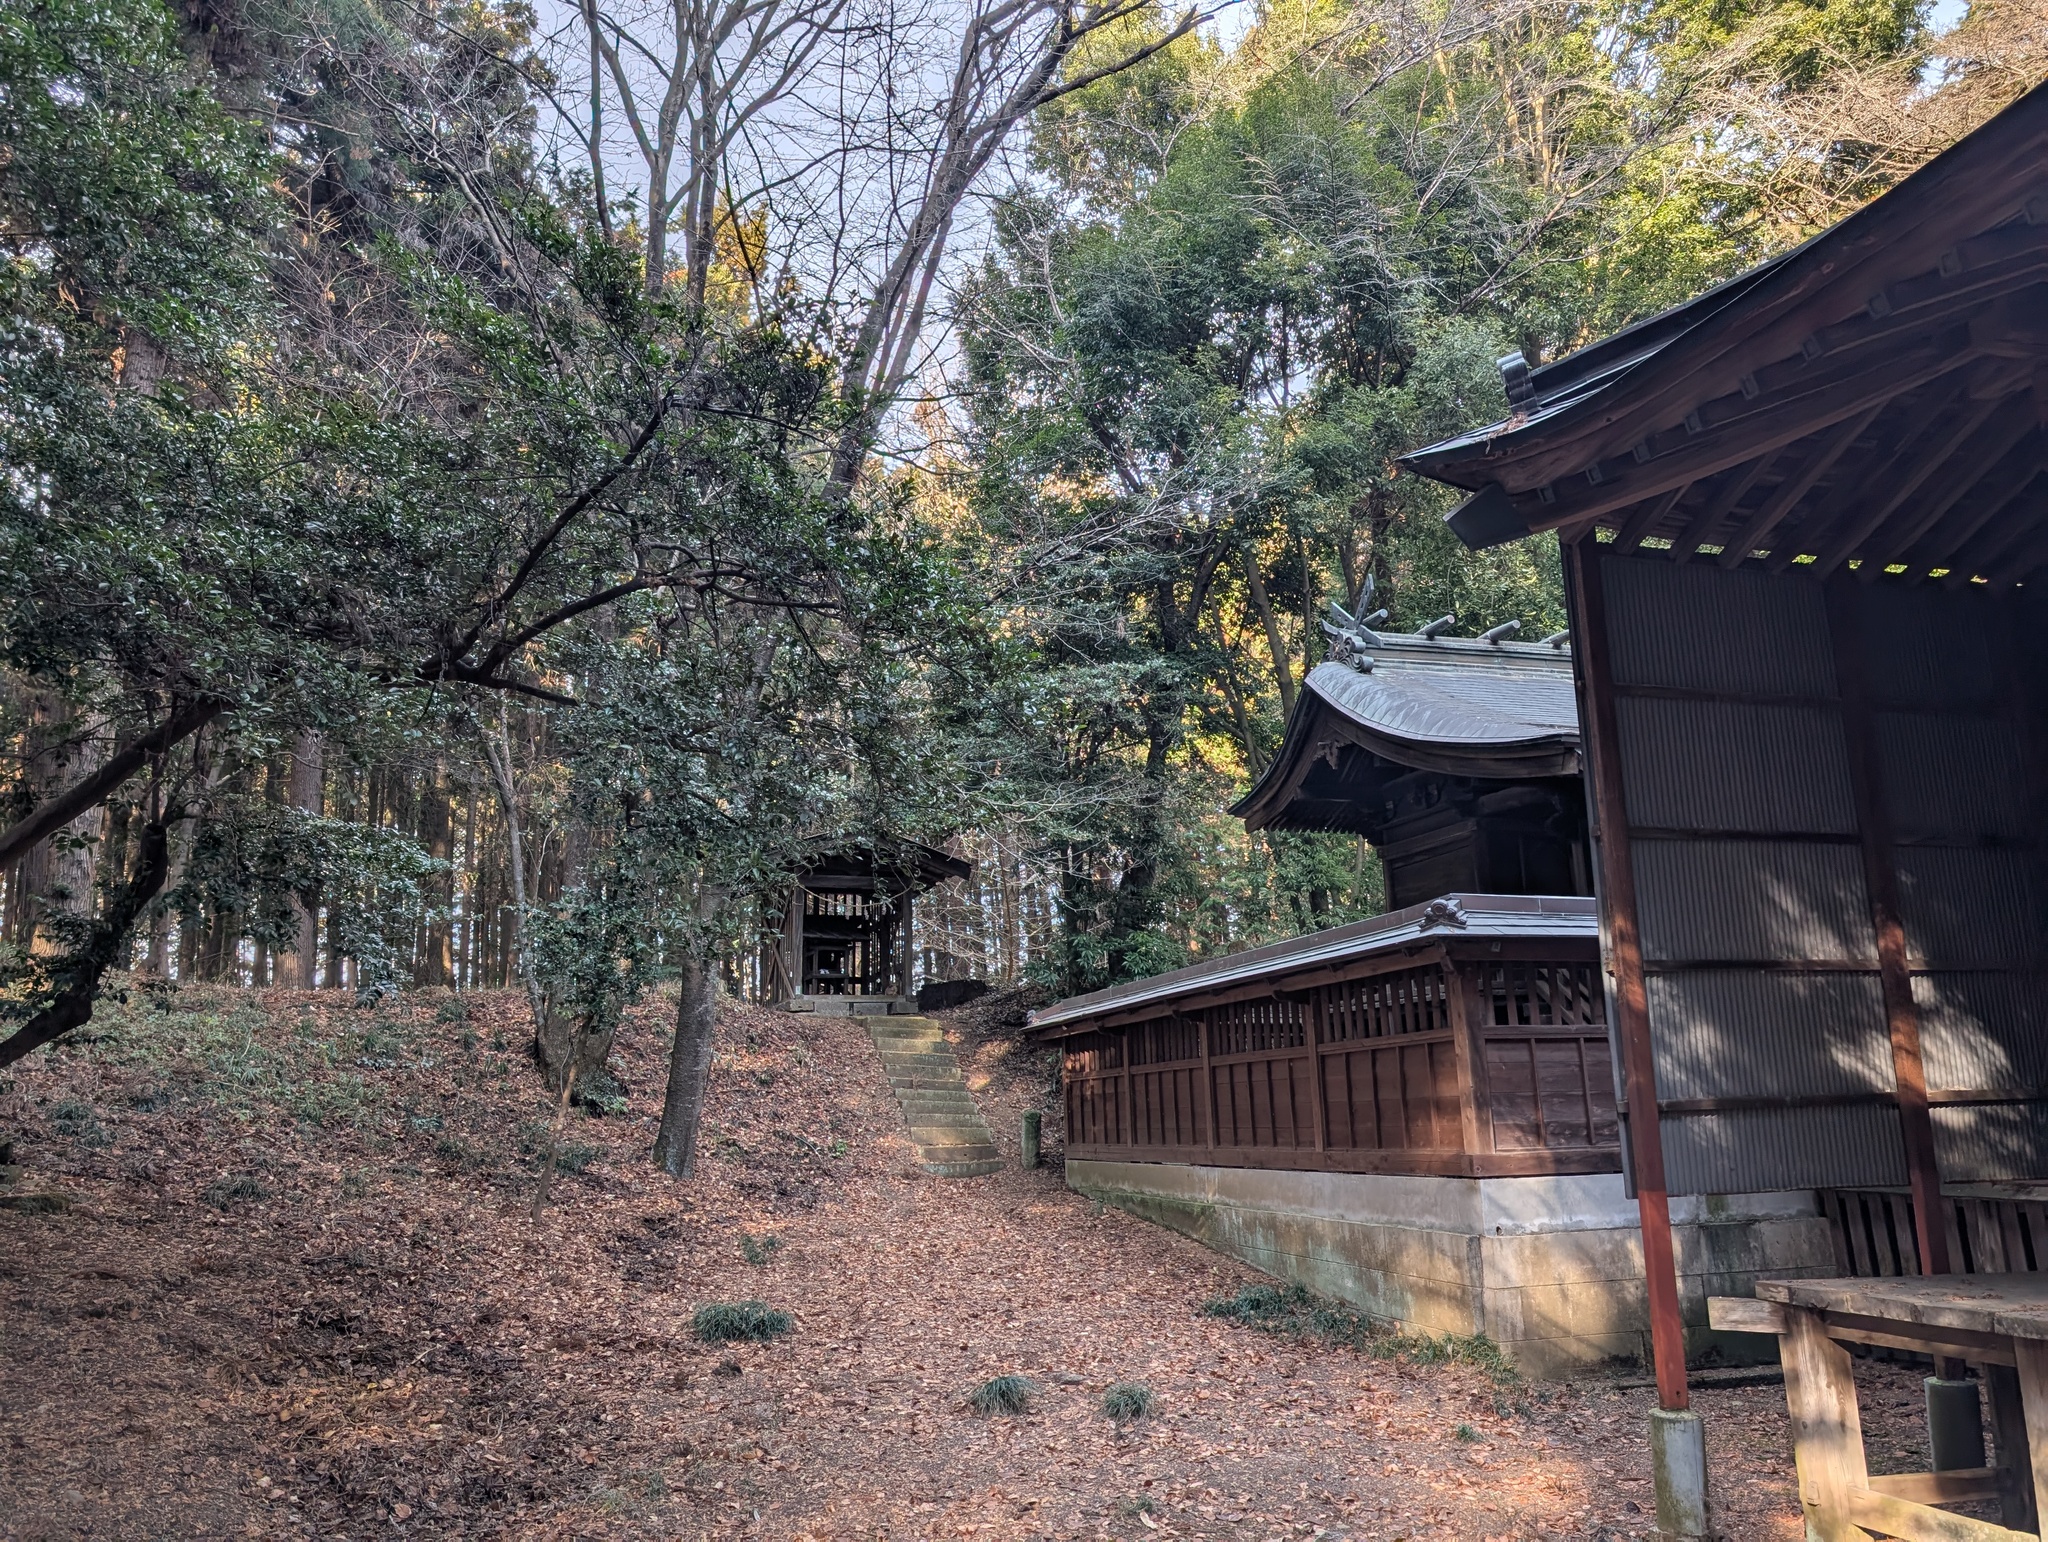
{"x":298,"y":1292}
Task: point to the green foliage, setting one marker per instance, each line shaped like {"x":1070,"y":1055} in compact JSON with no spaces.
{"x":1293,"y":1311}
{"x":1006,"y":1394}
{"x":758,"y":1250}
{"x":1126,"y":1402}
{"x":733,"y":1322}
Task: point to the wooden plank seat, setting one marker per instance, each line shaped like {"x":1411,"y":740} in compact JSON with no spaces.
{"x":1997,"y":1322}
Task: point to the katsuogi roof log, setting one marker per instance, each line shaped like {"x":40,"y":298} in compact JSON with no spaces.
{"x":1875,"y":396}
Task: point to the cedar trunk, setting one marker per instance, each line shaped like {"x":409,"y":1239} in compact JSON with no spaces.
{"x":682,"y":1107}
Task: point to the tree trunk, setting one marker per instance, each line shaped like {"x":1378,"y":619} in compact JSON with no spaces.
{"x":306,"y":781}
{"x":437,"y":834}
{"x":1255,"y":582}
{"x":682,"y":1106}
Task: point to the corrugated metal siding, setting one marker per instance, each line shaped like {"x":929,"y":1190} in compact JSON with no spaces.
{"x":1753,"y":1034}
{"x":1762,"y":1151}
{"x":1928,"y":647}
{"x":1967,"y":908}
{"x":1770,"y":769}
{"x":1951,"y":777}
{"x":1704,"y":629}
{"x":1983,"y":1031}
{"x":1990,"y":1143}
{"x":1953,"y":772}
{"x":1744,"y":772}
{"x":1709,"y":901}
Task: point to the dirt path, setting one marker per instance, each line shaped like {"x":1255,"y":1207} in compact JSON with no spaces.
{"x":299,"y":1295}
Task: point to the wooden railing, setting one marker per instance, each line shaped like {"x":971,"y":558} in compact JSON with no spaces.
{"x":1993,"y":1228}
{"x":1450,"y":1065}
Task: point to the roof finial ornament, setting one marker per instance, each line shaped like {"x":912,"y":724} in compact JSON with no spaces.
{"x":1351,"y":631}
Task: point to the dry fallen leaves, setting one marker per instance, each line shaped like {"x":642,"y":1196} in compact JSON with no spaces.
{"x":381,"y":1344}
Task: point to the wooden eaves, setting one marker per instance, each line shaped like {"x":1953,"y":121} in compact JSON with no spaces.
{"x":1875,"y":397}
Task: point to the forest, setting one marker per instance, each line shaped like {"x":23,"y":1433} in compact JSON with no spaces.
{"x":487,"y":490}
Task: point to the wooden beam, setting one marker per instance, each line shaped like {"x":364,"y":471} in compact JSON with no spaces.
{"x":1981,"y":459}
{"x":1744,"y":1314}
{"x":1881,"y":882}
{"x":1921,"y":1523}
{"x":1793,"y":488}
{"x":1775,"y":419}
{"x":2032,"y":1358}
{"x":2023,"y":562}
{"x":1827,"y":1430}
{"x":1995,"y":539}
{"x":1835,"y":276}
{"x":1959,"y":549}
{"x":1959,"y":1485}
{"x":1904,"y":480}
{"x":2009,"y":1444}
{"x":1587,"y":598}
{"x":1648,"y":515}
{"x":1703,"y":524}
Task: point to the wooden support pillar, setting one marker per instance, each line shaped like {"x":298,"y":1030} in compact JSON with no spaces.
{"x":1595,"y":680}
{"x":1881,"y":881}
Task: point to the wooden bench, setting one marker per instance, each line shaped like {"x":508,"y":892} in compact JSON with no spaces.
{"x":1997,"y":1322}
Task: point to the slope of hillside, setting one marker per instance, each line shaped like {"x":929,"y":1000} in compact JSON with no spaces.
{"x":297,"y":1292}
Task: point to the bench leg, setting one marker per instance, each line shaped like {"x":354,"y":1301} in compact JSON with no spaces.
{"x":2009,"y":1433}
{"x":1827,"y":1430}
{"x":2032,"y":1355}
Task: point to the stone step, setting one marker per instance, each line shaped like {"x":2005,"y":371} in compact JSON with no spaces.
{"x":978,"y":1168}
{"x":955,"y":1150}
{"x":950,"y":1135}
{"x":939,"y":1113}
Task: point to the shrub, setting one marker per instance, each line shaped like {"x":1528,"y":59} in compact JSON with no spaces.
{"x":1002,"y":1395}
{"x":758,"y":1250}
{"x":750,"y":1322}
{"x":1126,"y":1401}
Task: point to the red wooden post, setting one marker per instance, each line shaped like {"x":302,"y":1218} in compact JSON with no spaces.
{"x":1625,"y":957}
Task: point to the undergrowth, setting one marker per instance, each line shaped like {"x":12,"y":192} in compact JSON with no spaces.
{"x":1293,"y":1311}
{"x":732,"y":1322}
{"x":1003,"y":1395}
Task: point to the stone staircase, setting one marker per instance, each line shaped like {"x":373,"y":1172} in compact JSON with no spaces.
{"x":943,"y":1119}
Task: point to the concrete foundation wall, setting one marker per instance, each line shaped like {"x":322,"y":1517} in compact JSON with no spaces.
{"x":1550,"y":1268}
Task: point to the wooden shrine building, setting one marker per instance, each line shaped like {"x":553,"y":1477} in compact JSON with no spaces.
{"x":1415,"y":1113}
{"x":846,"y":928}
{"x":1457,"y":758}
{"x":1805,"y":526}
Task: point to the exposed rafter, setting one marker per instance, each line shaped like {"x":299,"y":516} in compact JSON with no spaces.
{"x":1793,"y":488}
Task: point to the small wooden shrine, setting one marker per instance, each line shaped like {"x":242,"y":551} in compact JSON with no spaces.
{"x":846,"y":927}
{"x":1457,"y":758}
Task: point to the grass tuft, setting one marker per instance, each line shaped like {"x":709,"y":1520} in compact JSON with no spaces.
{"x":235,"y":1188}
{"x":1127,"y":1401}
{"x":758,"y":1250}
{"x":1003,"y":1395}
{"x":1465,"y":1433}
{"x":740,"y":1322}
{"x":1293,"y":1311}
